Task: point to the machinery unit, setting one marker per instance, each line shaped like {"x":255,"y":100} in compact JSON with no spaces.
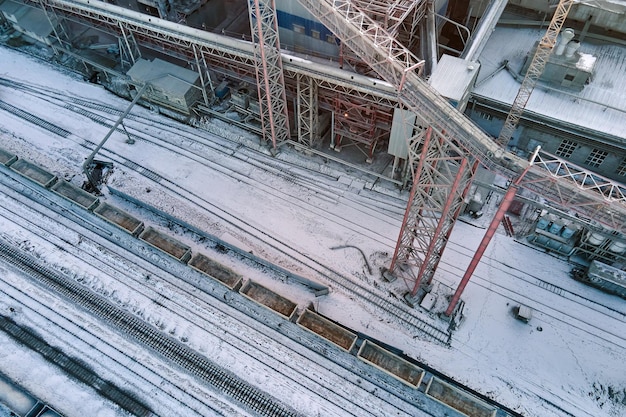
{"x":602,"y":276}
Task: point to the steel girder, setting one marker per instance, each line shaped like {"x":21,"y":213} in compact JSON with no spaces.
{"x":390,"y":14}
{"x":56,"y":24}
{"x":269,"y":71}
{"x":307,"y":111}
{"x":130,"y":48}
{"x":441,"y":174}
{"x":417,"y":95}
{"x":399,"y":67}
{"x":553,"y":178}
{"x":356,"y":122}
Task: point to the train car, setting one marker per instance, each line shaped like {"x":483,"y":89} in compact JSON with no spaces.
{"x":7,"y":158}
{"x":602,"y":276}
{"x":34,"y":173}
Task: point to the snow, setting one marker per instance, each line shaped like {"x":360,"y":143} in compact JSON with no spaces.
{"x":581,"y":109}
{"x":568,"y":361}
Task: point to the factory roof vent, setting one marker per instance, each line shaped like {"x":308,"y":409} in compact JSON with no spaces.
{"x":566,"y":67}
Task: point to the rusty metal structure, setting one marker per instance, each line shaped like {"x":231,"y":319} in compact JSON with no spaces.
{"x":269,"y":71}
{"x":444,"y":150}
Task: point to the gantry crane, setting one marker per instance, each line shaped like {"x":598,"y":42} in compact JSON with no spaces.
{"x":535,"y":69}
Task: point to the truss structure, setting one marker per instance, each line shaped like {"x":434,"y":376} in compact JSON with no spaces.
{"x":535,"y":69}
{"x":269,"y":71}
{"x":598,"y":199}
{"x":57,"y":25}
{"x":459,"y":144}
{"x":440,"y":183}
{"x":308,"y":111}
{"x":391,"y":14}
{"x":355,"y":122}
{"x":458,"y":139}
{"x":129,"y":50}
{"x":400,"y":18}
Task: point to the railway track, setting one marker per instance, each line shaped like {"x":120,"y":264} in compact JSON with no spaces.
{"x":579,"y":321}
{"x":297,"y":369}
{"x":186,"y":137}
{"x":585,"y":302}
{"x":195,"y":364}
{"x":430,"y":330}
{"x":62,"y":333}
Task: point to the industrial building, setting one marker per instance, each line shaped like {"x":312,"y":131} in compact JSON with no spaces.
{"x":299,"y":75}
{"x":459,"y":104}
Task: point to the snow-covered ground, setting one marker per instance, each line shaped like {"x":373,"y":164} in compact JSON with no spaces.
{"x":568,"y":361}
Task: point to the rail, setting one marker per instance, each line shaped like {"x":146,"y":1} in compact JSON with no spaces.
{"x":223,"y":380}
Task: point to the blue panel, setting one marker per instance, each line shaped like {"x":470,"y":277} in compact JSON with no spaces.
{"x":287,"y":20}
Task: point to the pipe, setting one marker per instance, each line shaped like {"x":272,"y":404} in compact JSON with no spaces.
{"x":487,"y":24}
{"x":572,"y":47}
{"x":431,"y":38}
{"x":566,"y":36}
{"x":491,"y":231}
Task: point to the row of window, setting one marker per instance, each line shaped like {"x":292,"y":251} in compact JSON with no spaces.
{"x":314,"y":33}
{"x":594,"y":159}
{"x":567,"y":147}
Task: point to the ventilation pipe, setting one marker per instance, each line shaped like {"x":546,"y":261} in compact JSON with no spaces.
{"x":566,"y":36}
{"x":571,"y":48}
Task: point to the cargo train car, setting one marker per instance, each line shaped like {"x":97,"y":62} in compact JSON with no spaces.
{"x":392,"y":362}
{"x":602,"y":276}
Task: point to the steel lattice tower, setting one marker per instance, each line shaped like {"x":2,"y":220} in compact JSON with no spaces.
{"x":269,"y":71}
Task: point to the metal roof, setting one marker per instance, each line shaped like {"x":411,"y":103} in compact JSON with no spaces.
{"x":164,"y":76}
{"x":452,"y":76}
{"x":599,"y":107}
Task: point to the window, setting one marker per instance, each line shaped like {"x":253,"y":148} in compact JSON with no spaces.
{"x":596,"y":157}
{"x":331,"y":39}
{"x":298,"y":28}
{"x":566,"y":148}
{"x":569,"y":77}
{"x":315,"y":34}
{"x":621,"y":169}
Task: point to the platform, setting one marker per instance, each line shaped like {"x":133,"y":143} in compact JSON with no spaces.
{"x":392,"y":364}
{"x":34,"y":173}
{"x":75,"y":194}
{"x":321,"y":326}
{"x":166,"y":243}
{"x":459,"y":400}
{"x":215,"y":270}
{"x":119,"y":218}
{"x":267,"y":298}
{"x":7,"y":158}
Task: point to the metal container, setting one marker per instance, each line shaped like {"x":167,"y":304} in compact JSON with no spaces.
{"x":542,"y":223}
